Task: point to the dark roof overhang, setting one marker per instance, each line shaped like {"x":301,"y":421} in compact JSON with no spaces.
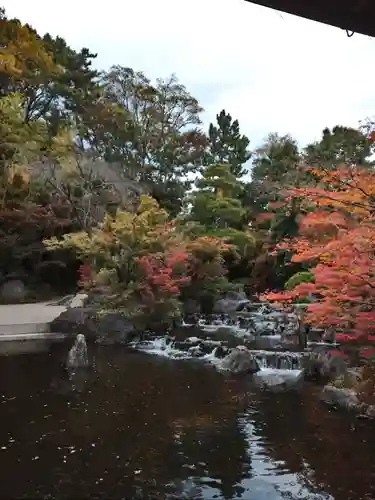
{"x":352,"y":15}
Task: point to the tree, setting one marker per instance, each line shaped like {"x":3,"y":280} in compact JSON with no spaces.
{"x":227,"y":145}
{"x":145,"y":264}
{"x":336,"y":241}
{"x":138,"y":258}
{"x":207,"y":271}
{"x":26,"y":63}
{"x":22,"y":230}
{"x":20,"y":146}
{"x":275,"y":165}
{"x":217,"y":211}
{"x":159,"y":138}
{"x":341,"y":145}
{"x":56,"y":82}
{"x":215,"y":204}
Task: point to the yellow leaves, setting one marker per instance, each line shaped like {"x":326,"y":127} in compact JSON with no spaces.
{"x":125,"y":232}
{"x":79,"y":241}
{"x":62,"y":144}
{"x":23,"y":54}
{"x":325,"y":258}
{"x":18,"y":171}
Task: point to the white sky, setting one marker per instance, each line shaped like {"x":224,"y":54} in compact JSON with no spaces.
{"x":274,"y":72}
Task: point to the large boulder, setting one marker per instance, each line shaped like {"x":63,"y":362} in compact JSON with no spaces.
{"x":113,"y":328}
{"x":240,"y":361}
{"x":232,"y":302}
{"x":342,"y":398}
{"x":326,"y":364}
{"x":110,"y":328}
{"x":268,"y":342}
{"x":79,"y":300}
{"x":279,"y":381}
{"x":13,"y":292}
{"x":74,"y":321}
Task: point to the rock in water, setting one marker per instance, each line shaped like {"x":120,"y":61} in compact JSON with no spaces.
{"x":279,"y":381}
{"x":230,"y":303}
{"x":110,"y":328}
{"x":240,"y":361}
{"x":77,"y":356}
{"x":343,"y":398}
{"x":326,"y":364}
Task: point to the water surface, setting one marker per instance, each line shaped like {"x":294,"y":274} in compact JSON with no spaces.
{"x":138,"y":426}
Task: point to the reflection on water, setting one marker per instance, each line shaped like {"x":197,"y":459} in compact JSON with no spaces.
{"x":138,"y":426}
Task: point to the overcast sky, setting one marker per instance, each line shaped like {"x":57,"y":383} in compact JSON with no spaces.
{"x":274,"y":72}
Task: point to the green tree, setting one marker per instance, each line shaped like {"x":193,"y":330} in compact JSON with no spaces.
{"x":217,"y":209}
{"x":56,"y":82}
{"x":340,"y":145}
{"x":227,"y":145}
{"x":158,"y":138}
{"x":276,"y":166}
{"x":215,"y":204}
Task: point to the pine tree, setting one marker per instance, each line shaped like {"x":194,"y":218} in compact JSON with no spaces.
{"x":227,"y":145}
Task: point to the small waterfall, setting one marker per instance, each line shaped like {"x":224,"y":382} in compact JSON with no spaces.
{"x":164,"y":346}
{"x":279,"y":360}
{"x":260,"y":322}
{"x":269,"y":335}
{"x":78,"y":356}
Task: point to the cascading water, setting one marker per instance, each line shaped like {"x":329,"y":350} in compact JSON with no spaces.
{"x":279,"y":360}
{"x":261,"y":330}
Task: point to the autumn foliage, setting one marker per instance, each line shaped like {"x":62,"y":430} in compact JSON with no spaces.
{"x":336,"y":242}
{"x":145,"y":264}
{"x":162,"y":275}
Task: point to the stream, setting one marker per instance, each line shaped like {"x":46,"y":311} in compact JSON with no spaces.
{"x":160,"y":420}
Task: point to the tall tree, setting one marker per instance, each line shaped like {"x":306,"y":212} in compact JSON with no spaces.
{"x":276,"y":165}
{"x":341,"y":145}
{"x":215,"y":204}
{"x":217,"y":209}
{"x":227,"y":145}
{"x":336,"y":241}
{"x":159,"y":138}
{"x":54,"y":79}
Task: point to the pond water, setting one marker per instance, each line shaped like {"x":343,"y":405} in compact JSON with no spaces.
{"x":139,"y":426}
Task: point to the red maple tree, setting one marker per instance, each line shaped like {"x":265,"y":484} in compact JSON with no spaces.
{"x":337,"y":242}
{"x":163,"y":273}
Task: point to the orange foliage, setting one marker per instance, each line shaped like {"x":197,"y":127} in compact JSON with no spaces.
{"x":337,"y":239}
{"x":163,"y":272}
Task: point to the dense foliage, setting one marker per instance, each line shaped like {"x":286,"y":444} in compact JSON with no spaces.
{"x":336,"y":241}
{"x":116,"y":172}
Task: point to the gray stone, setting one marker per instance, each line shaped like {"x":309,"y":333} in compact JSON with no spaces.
{"x":77,"y":357}
{"x":13,"y":291}
{"x":268,"y":342}
{"x":236,"y":295}
{"x":240,"y":361}
{"x":73,"y":321}
{"x":326,"y":364}
{"x":279,"y":381}
{"x":114,"y":328}
{"x":370,"y":411}
{"x":228,"y":306}
{"x":342,"y":398}
{"x":232,"y":301}
{"x":110,"y":328}
{"x":79,"y":300}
